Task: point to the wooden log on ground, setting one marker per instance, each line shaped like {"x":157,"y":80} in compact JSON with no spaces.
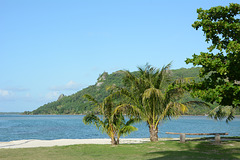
{"x":198,"y":133}
{"x":183,"y":135}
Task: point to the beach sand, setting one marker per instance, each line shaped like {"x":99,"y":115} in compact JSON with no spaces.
{"x":63,"y":142}
{"x":32,"y":143}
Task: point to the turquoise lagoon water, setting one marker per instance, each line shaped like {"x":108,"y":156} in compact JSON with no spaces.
{"x":49,"y":127}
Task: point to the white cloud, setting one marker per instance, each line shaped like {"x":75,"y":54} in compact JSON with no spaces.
{"x":14,"y":95}
{"x":7,"y":95}
{"x":71,"y":85}
{"x":4,"y":93}
{"x":11,"y":92}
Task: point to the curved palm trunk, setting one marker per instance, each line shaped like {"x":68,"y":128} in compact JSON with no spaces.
{"x":112,"y":135}
{"x":117,"y":141}
{"x":153,"y":133}
{"x":113,"y":141}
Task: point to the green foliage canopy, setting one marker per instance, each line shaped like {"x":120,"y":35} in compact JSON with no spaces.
{"x":220,"y":70}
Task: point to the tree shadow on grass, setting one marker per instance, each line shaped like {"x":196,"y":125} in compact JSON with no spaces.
{"x":201,"y":150}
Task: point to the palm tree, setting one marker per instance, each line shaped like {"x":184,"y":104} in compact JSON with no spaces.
{"x":113,"y":122}
{"x":151,"y":96}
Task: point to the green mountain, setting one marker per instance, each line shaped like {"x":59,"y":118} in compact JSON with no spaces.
{"x":76,"y":104}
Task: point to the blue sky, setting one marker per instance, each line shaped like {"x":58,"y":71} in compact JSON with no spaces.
{"x":49,"y":47}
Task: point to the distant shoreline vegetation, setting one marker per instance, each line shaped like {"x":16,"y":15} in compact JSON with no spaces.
{"x":11,"y":112}
{"x":75,"y":104}
{"x":23,"y":113}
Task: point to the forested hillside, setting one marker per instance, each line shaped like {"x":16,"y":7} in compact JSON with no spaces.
{"x":76,"y":104}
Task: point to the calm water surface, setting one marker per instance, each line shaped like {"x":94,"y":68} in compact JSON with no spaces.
{"x":49,"y":127}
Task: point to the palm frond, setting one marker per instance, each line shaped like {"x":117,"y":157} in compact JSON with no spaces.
{"x":126,"y":130}
{"x":153,"y":101}
{"x":153,"y":94}
{"x":197,"y":103}
{"x":132,"y":121}
{"x":177,"y":109}
{"x":91,"y":99}
{"x":173,"y":93}
{"x":222,"y":112}
{"x":163,"y":77}
{"x":92,"y":119}
{"x":129,"y":109}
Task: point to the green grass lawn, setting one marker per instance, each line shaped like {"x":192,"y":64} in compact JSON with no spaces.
{"x":194,"y":150}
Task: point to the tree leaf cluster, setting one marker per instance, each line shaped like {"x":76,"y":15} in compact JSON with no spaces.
{"x":220,"y":67}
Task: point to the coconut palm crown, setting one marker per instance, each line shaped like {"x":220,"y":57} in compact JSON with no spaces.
{"x":152,"y":96}
{"x":112,"y":122}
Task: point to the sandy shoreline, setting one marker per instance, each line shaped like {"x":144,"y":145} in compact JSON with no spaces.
{"x":63,"y":142}
{"x":32,"y":143}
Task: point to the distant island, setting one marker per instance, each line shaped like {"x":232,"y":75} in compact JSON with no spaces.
{"x":76,"y":104}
